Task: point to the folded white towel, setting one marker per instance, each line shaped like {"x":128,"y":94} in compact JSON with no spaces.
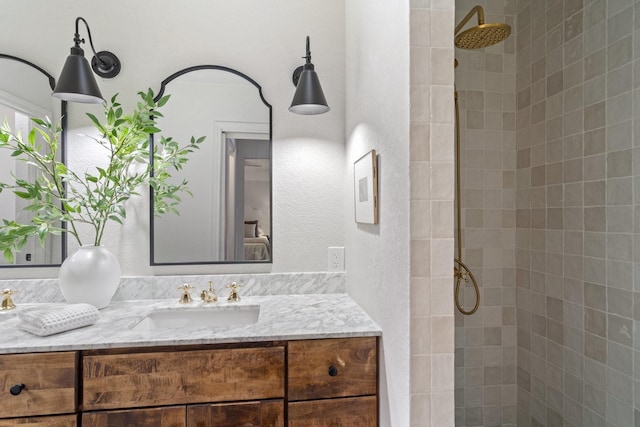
{"x":53,"y":320}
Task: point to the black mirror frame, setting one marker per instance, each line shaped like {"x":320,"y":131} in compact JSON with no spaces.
{"x":163,"y":86}
{"x":63,"y":156}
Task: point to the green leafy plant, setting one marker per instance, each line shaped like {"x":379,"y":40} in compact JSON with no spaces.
{"x":99,"y":196}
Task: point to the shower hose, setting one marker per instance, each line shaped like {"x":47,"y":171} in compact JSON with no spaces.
{"x":461,"y":272}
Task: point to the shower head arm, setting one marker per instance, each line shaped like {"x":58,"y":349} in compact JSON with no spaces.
{"x":476,"y":9}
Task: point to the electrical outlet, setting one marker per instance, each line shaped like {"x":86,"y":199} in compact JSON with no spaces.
{"x":336,"y":259}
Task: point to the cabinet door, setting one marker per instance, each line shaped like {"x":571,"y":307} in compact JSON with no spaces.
{"x":346,"y":412}
{"x":49,"y":381}
{"x":246,"y":414}
{"x":173,"y":416}
{"x":55,"y":421}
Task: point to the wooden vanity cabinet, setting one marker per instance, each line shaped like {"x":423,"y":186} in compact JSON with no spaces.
{"x":311,"y":383}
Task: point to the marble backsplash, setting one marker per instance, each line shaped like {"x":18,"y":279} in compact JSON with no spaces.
{"x":160,"y":287}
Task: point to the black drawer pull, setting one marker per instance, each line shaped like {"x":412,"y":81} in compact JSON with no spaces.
{"x":333,"y":371}
{"x":16,"y":389}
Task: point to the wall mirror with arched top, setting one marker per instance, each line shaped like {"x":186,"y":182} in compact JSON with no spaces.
{"x":25,"y":93}
{"x":228,"y":219}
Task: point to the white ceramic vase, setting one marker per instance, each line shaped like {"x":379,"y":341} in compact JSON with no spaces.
{"x":90,"y":275}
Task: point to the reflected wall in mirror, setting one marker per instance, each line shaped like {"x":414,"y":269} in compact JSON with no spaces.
{"x":228,"y":219}
{"x":25,"y":92}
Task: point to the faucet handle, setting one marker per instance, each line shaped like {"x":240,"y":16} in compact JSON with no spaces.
{"x":186,"y":296}
{"x":7,"y":303}
{"x":234,"y":296}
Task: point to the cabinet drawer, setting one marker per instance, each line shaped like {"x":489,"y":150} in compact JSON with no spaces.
{"x":173,"y":416}
{"x":49,"y":380}
{"x":321,"y":369}
{"x":54,"y":421}
{"x":351,"y":411}
{"x":181,"y":377}
{"x":245,"y":414}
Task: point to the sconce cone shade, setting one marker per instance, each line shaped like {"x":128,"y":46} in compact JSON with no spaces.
{"x":76,"y":82}
{"x":309,"y":97}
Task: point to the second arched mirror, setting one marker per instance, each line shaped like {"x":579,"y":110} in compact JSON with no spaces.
{"x":228,"y":219}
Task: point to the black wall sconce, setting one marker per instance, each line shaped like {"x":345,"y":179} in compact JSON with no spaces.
{"x":309,"y":98}
{"x":76,"y":82}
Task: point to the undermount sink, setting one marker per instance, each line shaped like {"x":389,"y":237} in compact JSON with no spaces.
{"x":191,"y":318}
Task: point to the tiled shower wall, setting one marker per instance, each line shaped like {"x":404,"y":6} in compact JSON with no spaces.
{"x":431,"y":211}
{"x":485,"y":342}
{"x":578,"y":73}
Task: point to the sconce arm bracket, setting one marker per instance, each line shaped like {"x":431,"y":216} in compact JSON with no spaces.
{"x":104,"y":63}
{"x":296,"y":75}
{"x":307,"y":66}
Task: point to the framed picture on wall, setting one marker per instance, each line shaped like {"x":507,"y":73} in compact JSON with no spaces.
{"x":365,"y":181}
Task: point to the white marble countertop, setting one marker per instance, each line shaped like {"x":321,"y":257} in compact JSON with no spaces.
{"x":282,"y":317}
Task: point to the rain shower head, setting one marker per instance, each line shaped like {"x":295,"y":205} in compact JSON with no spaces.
{"x":482,"y":35}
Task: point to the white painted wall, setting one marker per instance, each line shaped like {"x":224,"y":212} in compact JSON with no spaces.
{"x":377,"y":117}
{"x":263,"y":39}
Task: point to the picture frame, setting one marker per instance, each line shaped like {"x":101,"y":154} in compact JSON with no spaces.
{"x":365,"y":186}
